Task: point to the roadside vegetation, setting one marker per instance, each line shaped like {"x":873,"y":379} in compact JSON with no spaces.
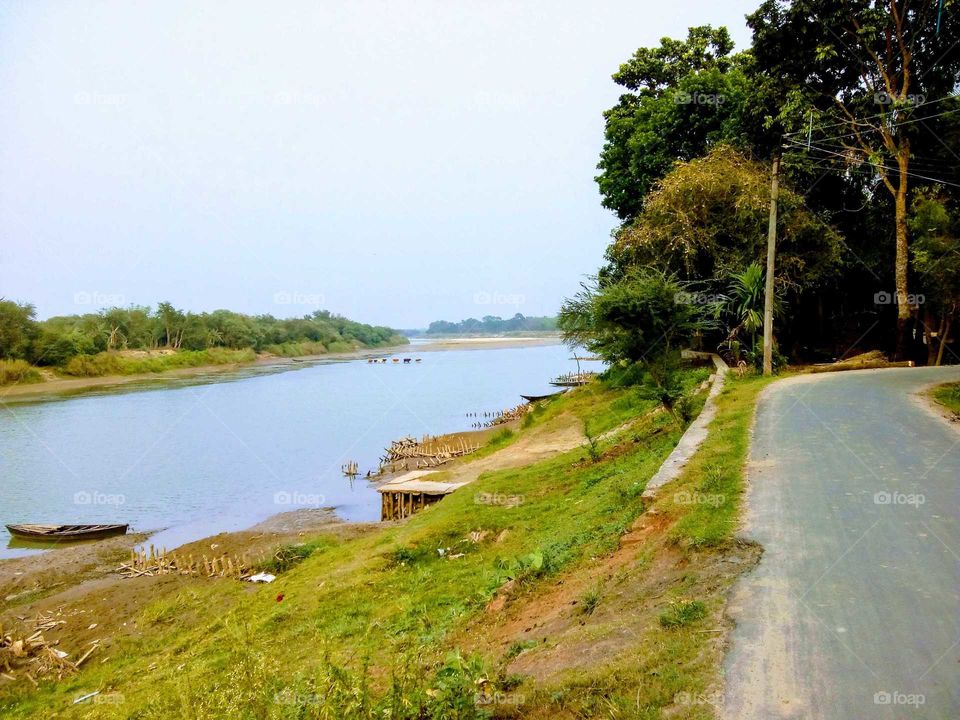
{"x":125,"y":341}
{"x":949,"y":396}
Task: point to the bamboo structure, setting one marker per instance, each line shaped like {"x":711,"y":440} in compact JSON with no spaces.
{"x":152,"y":563}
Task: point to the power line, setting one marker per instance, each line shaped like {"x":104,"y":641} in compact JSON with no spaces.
{"x":905,"y":122}
{"x":880,"y":165}
{"x":870,"y":117}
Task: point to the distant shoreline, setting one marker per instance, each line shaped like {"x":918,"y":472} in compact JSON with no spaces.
{"x":68,"y":386}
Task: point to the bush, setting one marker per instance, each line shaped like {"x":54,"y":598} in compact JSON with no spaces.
{"x":18,"y":371}
{"x":683,"y":613}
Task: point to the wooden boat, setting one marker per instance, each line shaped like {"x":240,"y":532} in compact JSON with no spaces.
{"x":66,"y":532}
{"x":535,"y":398}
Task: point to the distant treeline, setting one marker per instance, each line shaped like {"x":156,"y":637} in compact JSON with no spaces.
{"x":66,"y":340}
{"x":491,"y":324}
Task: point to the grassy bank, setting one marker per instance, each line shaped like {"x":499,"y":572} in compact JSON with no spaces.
{"x":18,"y":371}
{"x":472,"y":608}
{"x":949,"y":396}
{"x":120,"y":363}
{"x":112,"y":363}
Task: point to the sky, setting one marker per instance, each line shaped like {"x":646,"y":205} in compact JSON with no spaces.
{"x":394,"y":162}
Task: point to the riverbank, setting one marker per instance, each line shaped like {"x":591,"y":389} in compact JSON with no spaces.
{"x":546,"y":588}
{"x":62,"y":386}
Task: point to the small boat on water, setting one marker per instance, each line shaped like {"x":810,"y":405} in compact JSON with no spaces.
{"x":66,"y":532}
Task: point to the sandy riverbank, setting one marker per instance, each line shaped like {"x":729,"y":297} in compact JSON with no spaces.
{"x":68,"y":386}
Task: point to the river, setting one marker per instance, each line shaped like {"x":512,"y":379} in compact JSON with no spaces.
{"x":220,"y":453}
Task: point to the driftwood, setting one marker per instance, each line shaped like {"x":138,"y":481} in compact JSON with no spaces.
{"x":34,"y":656}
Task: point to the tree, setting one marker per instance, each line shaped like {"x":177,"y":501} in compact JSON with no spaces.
{"x":684,"y":97}
{"x":635,"y":319}
{"x":707,"y":219}
{"x":936,"y":253}
{"x":865,"y":67}
{"x":18,"y":328}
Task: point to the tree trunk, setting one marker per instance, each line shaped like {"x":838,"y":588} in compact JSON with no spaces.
{"x":903,"y":254}
{"x":943,"y":337}
{"x":928,"y":335}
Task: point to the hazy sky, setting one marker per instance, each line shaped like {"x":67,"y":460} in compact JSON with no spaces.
{"x":396,"y":162}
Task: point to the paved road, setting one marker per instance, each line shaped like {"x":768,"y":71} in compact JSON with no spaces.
{"x":854,"y":609}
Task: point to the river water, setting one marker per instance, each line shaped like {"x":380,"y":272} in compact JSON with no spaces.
{"x":221,"y":453}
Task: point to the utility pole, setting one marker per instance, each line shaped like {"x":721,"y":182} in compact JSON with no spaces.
{"x":771,"y":254}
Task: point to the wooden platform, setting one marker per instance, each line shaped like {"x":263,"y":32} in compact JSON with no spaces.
{"x":403,"y":496}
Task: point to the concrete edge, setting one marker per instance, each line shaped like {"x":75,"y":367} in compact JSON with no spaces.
{"x":693,"y":437}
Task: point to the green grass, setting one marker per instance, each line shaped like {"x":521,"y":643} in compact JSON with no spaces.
{"x":112,"y":363}
{"x":676,"y":656}
{"x":683,"y":612}
{"x":18,"y":371}
{"x":368,"y":626}
{"x":948,"y":395}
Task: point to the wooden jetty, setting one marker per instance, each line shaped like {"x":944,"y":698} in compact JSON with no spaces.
{"x":410,"y":492}
{"x":573,"y":379}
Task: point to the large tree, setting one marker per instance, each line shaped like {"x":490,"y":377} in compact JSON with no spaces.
{"x":682,"y":98}
{"x":870,"y":72}
{"x":707,"y":220}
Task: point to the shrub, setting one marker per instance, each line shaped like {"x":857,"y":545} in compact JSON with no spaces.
{"x":18,"y":371}
{"x":683,"y":613}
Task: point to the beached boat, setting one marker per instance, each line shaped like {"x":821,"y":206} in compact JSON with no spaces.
{"x":66,"y":532}
{"x":535,"y":398}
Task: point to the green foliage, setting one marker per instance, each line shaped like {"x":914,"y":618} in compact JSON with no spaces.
{"x":682,"y":612}
{"x":593,"y":446}
{"x":18,"y":329}
{"x":113,"y":363}
{"x":590,"y":600}
{"x":97,"y":344}
{"x":708,"y":219}
{"x":639,"y":317}
{"x":286,"y":556}
{"x":686,"y":96}
{"x":493,"y":325}
{"x":17,"y":371}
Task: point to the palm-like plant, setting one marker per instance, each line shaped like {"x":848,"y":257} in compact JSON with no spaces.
{"x":743,"y":306}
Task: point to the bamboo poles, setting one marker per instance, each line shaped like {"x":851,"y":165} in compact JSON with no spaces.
{"x":151,"y":563}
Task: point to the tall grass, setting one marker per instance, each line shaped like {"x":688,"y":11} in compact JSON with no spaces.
{"x":110,"y":363}
{"x":18,"y":371}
